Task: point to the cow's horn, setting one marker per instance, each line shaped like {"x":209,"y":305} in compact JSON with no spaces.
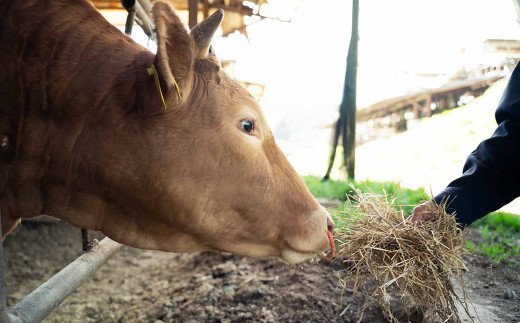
{"x":203,"y":32}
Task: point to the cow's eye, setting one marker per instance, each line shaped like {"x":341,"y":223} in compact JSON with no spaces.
{"x":247,"y":126}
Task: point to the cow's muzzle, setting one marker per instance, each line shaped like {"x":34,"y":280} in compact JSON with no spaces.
{"x":314,"y":242}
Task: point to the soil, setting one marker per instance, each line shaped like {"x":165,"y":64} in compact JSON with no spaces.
{"x":151,"y":286}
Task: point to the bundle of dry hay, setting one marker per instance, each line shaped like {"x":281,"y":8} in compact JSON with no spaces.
{"x":418,"y":261}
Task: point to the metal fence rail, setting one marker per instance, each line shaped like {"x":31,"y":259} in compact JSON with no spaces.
{"x":140,"y":12}
{"x":43,"y":300}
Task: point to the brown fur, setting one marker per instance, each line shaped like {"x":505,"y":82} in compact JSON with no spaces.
{"x":91,"y":143}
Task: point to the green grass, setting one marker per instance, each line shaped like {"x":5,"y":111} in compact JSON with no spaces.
{"x":332,"y":189}
{"x":497,"y":252}
{"x":500,"y":221}
{"x":500,"y":230}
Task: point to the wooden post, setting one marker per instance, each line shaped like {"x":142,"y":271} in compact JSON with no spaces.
{"x":455,"y":96}
{"x":348,"y":103}
{"x":346,"y":124}
{"x":85,"y":240}
{"x":337,"y":131}
{"x":428,"y":105}
{"x":416,"y":109}
{"x":193,"y":9}
{"x":205,"y":8}
{"x":401,"y":124}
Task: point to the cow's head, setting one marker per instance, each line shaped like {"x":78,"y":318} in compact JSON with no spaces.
{"x":200,"y":171}
{"x":228,"y":187}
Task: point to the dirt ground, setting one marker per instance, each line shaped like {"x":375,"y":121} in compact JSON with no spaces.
{"x":150,"y":286}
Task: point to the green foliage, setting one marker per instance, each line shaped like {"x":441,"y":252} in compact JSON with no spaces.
{"x":470,"y":245}
{"x":329,"y":189}
{"x":502,"y":230}
{"x":332,"y":189}
{"x":500,"y":220}
{"x":496,"y":252}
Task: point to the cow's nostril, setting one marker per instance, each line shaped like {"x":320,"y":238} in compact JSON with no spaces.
{"x":330,"y":224}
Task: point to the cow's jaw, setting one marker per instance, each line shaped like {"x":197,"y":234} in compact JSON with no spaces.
{"x":315,"y":242}
{"x":307,"y":239}
{"x":294,"y":257}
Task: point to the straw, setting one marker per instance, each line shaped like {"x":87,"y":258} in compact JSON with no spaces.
{"x":419,"y":261}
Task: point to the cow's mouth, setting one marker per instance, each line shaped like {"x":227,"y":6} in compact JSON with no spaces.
{"x":294,"y":256}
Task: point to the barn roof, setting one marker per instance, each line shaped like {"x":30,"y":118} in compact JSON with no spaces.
{"x":233,"y":20}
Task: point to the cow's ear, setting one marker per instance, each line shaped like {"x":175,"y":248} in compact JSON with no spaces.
{"x":175,"y":50}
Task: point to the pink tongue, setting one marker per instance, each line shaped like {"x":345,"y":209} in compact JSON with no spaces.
{"x":331,"y":252}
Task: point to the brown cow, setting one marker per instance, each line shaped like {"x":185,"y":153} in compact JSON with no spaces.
{"x":86,"y":137}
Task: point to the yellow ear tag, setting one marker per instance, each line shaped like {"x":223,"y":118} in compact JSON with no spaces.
{"x":153,"y":71}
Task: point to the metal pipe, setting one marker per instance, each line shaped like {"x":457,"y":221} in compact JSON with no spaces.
{"x":140,"y":12}
{"x":43,"y":300}
{"x":147,"y":6}
{"x":129,"y":21}
{"x":146,"y":24}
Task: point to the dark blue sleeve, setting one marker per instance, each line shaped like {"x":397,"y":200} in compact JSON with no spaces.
{"x":491,"y":175}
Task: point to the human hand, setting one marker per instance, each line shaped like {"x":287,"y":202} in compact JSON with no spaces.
{"x":424,"y":212}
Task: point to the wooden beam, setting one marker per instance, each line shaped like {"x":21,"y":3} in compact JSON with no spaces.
{"x":107,"y":4}
{"x":193,"y":9}
{"x":205,"y":8}
{"x":241,"y":9}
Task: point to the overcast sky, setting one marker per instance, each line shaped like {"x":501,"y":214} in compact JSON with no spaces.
{"x":308,"y":55}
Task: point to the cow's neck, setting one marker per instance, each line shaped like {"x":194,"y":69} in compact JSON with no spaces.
{"x":73,"y":74}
